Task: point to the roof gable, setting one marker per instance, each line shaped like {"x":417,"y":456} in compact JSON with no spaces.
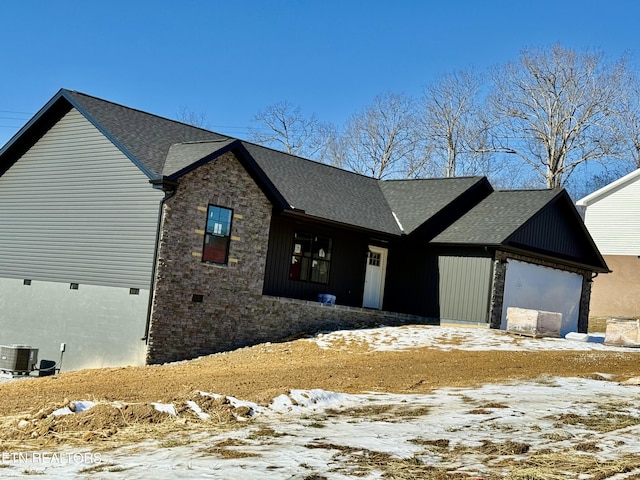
{"x":33,"y":130}
{"x":144,"y":138}
{"x":558,"y":230}
{"x":540,"y":221}
{"x":183,"y":156}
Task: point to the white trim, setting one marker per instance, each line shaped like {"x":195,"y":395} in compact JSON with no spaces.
{"x":398,"y":221}
{"x":606,"y":190}
{"x":383,"y":266}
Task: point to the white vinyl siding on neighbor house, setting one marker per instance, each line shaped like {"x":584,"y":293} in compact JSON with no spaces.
{"x":75,"y":209}
{"x":614,"y":220}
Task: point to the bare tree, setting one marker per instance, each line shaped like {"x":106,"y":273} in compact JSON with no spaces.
{"x":555,"y":110}
{"x":189,"y":116}
{"x":381,"y":139}
{"x":630,"y":119}
{"x":452,"y":126}
{"x":284,"y":127}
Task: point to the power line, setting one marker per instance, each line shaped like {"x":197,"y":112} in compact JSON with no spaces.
{"x":13,"y":111}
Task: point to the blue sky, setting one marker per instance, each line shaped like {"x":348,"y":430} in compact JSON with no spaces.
{"x":229,"y":59}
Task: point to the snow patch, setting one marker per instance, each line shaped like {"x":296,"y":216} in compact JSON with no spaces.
{"x":457,"y":338}
{"x":165,"y":408}
{"x":307,"y":400}
{"x":74,"y":407}
{"x":197,"y":410}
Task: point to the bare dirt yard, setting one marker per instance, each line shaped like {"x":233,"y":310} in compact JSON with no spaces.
{"x":261,"y":373}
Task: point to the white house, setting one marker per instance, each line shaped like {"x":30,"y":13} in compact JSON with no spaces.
{"x":612,"y":215}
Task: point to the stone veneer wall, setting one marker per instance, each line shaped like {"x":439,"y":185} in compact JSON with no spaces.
{"x":309,"y":317}
{"x":233,"y":312}
{"x":181,"y":328}
{"x":499,"y":276}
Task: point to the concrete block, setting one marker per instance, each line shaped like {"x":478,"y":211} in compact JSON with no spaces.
{"x":623,"y":332}
{"x":533,"y":323}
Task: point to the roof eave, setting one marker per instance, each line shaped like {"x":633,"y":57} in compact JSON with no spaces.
{"x":551,"y":257}
{"x":465,"y":244}
{"x":58,"y":106}
{"x":301,"y":214}
{"x":33,"y":130}
{"x":109,"y":136}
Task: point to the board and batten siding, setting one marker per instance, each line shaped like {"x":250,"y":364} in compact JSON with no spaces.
{"x":75,"y":209}
{"x":465,"y":287}
{"x":614,"y":221}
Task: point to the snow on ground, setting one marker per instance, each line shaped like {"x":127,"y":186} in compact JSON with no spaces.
{"x":328,"y":435}
{"x":457,"y":338}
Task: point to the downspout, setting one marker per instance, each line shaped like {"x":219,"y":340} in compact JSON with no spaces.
{"x":169,"y":191}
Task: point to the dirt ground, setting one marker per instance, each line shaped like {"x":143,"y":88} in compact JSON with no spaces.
{"x":262,"y":372}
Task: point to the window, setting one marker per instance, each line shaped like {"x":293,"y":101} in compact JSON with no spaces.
{"x":374,"y":258}
{"x":217,"y":235}
{"x":311,"y":258}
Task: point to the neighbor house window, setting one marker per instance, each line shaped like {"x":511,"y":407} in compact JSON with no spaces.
{"x":311,"y":258}
{"x":217,"y":234}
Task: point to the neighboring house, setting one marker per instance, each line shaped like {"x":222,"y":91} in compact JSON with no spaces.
{"x":133,"y":238}
{"x":612,"y":215}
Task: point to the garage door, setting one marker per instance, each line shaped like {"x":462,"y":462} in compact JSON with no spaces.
{"x":465,"y":288}
{"x":542,"y":288}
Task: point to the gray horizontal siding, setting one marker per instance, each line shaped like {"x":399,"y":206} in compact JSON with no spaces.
{"x":76,"y":209}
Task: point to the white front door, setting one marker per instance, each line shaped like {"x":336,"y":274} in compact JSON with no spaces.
{"x":374,"y":277}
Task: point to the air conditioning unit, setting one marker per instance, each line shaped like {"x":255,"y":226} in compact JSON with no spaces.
{"x":18,"y":358}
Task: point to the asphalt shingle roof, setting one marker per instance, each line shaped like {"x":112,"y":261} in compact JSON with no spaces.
{"x":497,"y":217}
{"x":326,"y":192}
{"x":165,"y":148}
{"x":416,"y":201}
{"x":147,"y":137}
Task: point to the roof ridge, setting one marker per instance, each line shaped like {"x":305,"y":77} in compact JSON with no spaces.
{"x":193,"y":142}
{"x":143,"y":112}
{"x":466,"y":177}
{"x":510,"y":190}
{"x":317,"y":162}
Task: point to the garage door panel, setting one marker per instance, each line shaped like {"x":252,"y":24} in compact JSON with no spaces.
{"x":543,"y":288}
{"x":465,"y":286}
